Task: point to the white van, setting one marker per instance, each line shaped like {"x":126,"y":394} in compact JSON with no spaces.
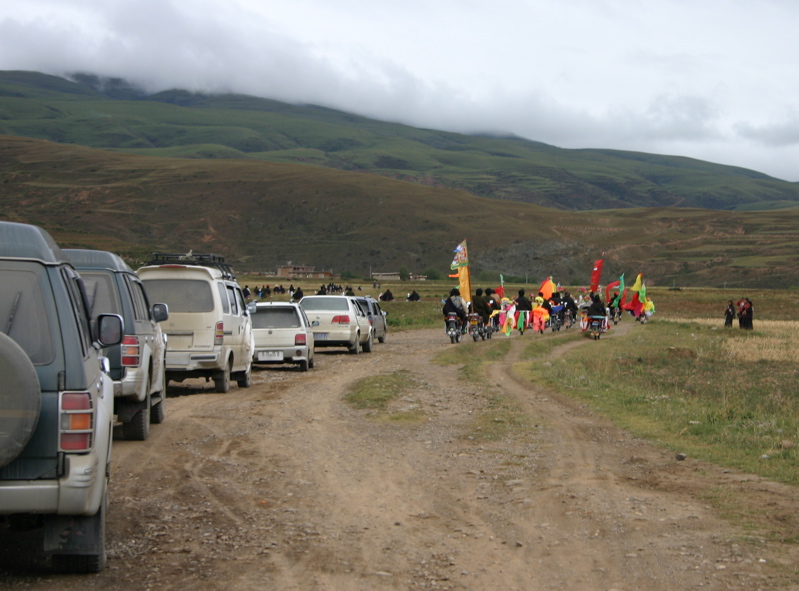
{"x":209,"y":330}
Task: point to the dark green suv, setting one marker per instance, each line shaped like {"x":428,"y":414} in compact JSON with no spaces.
{"x":137,"y":364}
{"x":57,"y":400}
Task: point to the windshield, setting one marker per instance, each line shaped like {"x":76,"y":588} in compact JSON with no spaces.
{"x":181,"y":295}
{"x":24,"y":315}
{"x":315,"y":304}
{"x":276,"y":318}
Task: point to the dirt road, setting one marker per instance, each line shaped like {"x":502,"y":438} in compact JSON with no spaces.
{"x":284,"y":486}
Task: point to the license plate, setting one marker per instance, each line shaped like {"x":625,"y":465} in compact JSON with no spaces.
{"x":320,"y":336}
{"x":270,"y":355}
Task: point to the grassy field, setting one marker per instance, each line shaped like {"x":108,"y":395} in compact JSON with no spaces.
{"x":723,"y":395}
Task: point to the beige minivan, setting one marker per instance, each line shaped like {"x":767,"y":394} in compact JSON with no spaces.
{"x":209,"y":330}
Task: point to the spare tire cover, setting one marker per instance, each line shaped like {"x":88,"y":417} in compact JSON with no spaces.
{"x":20,"y":400}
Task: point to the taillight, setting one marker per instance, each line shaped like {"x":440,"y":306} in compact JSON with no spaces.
{"x":219,"y":333}
{"x":76,"y":422}
{"x":131,"y":355}
{"x":299,"y":339}
{"x":343,"y":319}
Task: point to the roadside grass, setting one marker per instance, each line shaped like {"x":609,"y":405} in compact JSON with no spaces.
{"x":377,"y":393}
{"x":726,"y":396}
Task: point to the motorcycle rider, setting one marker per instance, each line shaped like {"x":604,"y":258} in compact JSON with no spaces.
{"x":456,"y":304}
{"x":523,"y":308}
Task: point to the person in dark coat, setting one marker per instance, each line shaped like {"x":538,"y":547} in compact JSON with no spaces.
{"x":729,"y":314}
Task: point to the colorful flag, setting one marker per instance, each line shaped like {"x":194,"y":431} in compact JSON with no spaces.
{"x":638,"y":282}
{"x":547,"y":287}
{"x":596,"y":274}
{"x":461,"y":263}
{"x":461,"y":256}
{"x":619,"y":285}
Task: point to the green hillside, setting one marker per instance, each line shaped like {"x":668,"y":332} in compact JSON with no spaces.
{"x":263,"y":214}
{"x":110,"y":114}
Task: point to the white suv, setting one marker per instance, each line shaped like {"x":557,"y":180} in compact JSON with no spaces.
{"x":338,"y":321}
{"x":209,"y":330}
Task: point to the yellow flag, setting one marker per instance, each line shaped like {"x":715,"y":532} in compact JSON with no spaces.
{"x":638,"y":282}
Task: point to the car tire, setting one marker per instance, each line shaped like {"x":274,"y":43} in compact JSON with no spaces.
{"x":246,"y":380}
{"x":138,"y":429}
{"x":21,"y":401}
{"x":304,"y":365}
{"x":310,"y":362}
{"x":157,"y":412}
{"x":355,"y":348}
{"x":368,"y":345}
{"x":222,"y":380}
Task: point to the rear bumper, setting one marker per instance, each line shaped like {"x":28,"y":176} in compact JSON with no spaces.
{"x":280,"y":354}
{"x":79,"y":492}
{"x":194,"y":360}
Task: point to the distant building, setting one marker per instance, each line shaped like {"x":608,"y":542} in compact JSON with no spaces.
{"x":396,"y":277}
{"x":303,"y":272}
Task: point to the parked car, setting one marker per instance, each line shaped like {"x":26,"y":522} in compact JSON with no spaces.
{"x":56,"y":407}
{"x":282,"y":334}
{"x":377,"y":317}
{"x":137,"y":364}
{"x":338,"y":321}
{"x":209,"y":330}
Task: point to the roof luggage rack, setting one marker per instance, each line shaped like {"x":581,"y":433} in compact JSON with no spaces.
{"x":214,"y":261}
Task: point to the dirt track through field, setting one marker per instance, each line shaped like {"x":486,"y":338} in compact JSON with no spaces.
{"x":284,"y":486}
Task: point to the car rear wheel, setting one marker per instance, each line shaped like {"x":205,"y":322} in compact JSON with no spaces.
{"x":222,"y":380}
{"x":355,"y":348}
{"x":367,"y":346}
{"x":245,"y":378}
{"x":138,"y":429}
{"x":304,"y":365}
{"x":21,"y":400}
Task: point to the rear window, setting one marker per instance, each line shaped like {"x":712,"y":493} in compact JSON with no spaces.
{"x":100,"y":293}
{"x":24,"y":315}
{"x":276,"y":318}
{"x":325,"y":303}
{"x":181,"y":295}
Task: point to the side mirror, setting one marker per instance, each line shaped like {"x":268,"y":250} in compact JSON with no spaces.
{"x":160,"y":312}
{"x":110,"y":329}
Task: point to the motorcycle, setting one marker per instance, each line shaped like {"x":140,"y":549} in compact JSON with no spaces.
{"x":453,"y":327}
{"x":596,"y":326}
{"x":615,"y":315}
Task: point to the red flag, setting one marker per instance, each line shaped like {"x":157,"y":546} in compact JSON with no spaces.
{"x":608,"y":288}
{"x":596,"y":274}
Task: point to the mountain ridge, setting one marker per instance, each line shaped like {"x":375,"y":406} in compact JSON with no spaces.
{"x":112,"y":114}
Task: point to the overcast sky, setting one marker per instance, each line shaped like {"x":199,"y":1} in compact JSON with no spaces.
{"x":716,"y":80}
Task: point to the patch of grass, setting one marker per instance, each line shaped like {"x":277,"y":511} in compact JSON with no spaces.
{"x":717,"y":395}
{"x":377,"y":393}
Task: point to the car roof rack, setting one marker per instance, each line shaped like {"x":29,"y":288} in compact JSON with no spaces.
{"x":214,"y":261}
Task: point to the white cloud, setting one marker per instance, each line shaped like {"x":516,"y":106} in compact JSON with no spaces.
{"x":711,"y":80}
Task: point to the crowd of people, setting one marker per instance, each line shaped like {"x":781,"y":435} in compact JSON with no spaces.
{"x":744,"y":310}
